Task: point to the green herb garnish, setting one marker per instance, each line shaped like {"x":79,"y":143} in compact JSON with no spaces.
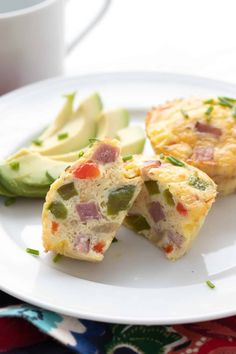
{"x":37,"y":142}
{"x":210,"y":284}
{"x":209,"y":110}
{"x":127,"y":158}
{"x":197,"y":182}
{"x":81,"y":153}
{"x":185,"y":115}
{"x":175,"y":161}
{"x":210,"y":101}
{"x":56,"y":258}
{"x":9,"y":201}
{"x":32,"y":251}
{"x":15,"y":165}
{"x":93,"y":140}
{"x":114,"y":240}
{"x":62,"y":136}
{"x":233,"y":100}
{"x":223,"y":101}
{"x":162,"y":156}
{"x":49,"y":177}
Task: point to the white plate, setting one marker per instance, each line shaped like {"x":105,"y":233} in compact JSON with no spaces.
{"x":135,"y":283}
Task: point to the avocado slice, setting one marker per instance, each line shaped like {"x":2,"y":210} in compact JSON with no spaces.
{"x":33,"y":176}
{"x":63,"y":116}
{"x":76,"y":132}
{"x":132,"y":140}
{"x":5,"y":192}
{"x":111,"y":121}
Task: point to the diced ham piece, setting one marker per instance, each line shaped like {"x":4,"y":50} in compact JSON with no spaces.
{"x":147,"y":165}
{"x":152,"y":163}
{"x":175,"y":238}
{"x":207,"y":128}
{"x":88,"y":211}
{"x":203,"y":153}
{"x":82,"y":243}
{"x":156,"y":212}
{"x":105,"y":153}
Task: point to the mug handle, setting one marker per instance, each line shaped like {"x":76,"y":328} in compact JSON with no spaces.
{"x":95,"y":20}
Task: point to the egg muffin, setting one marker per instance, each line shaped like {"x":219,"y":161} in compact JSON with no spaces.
{"x":201,"y":132}
{"x":173,"y":203}
{"x":85,"y":207}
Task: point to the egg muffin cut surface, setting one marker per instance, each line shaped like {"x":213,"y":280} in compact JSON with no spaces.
{"x":201,"y":132}
{"x":172,"y":205}
{"x":85,"y":207}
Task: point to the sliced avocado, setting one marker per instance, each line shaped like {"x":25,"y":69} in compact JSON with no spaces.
{"x":63,"y":116}
{"x":34,"y":176}
{"x":90,"y":107}
{"x":75,"y":134}
{"x":132,"y":140}
{"x":5,"y":192}
{"x":68,"y":157}
{"x":111,"y":121}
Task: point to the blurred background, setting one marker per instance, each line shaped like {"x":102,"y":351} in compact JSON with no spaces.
{"x":191,"y":37}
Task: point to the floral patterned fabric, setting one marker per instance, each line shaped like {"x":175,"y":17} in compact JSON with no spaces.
{"x":22,"y":325}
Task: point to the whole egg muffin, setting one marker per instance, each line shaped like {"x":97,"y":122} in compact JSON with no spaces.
{"x":201,"y":132}
{"x":173,"y":203}
{"x":86,"y":205}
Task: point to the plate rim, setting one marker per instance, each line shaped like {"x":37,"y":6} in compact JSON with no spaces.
{"x":155,"y":75}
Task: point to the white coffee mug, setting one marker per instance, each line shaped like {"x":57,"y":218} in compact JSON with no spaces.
{"x":32,"y":40}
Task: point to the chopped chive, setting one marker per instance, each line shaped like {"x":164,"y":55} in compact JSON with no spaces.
{"x":81,"y":153}
{"x":56,"y":258}
{"x":32,"y":251}
{"x":175,"y":161}
{"x":49,"y":177}
{"x":127,"y":158}
{"x":93,"y":140}
{"x":210,"y":101}
{"x":223,"y":101}
{"x":37,"y":142}
{"x":210,"y":284}
{"x":185,"y":115}
{"x":62,"y":136}
{"x":234,"y":111}
{"x":209,"y":110}
{"x":9,"y":201}
{"x":233,"y":100}
{"x":162,"y":156}
{"x":15,"y":165}
{"x":114,"y":240}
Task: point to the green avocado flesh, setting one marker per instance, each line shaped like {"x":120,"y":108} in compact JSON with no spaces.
{"x":132,"y":140}
{"x":34,"y":176}
{"x":75,"y":131}
{"x":29,"y":172}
